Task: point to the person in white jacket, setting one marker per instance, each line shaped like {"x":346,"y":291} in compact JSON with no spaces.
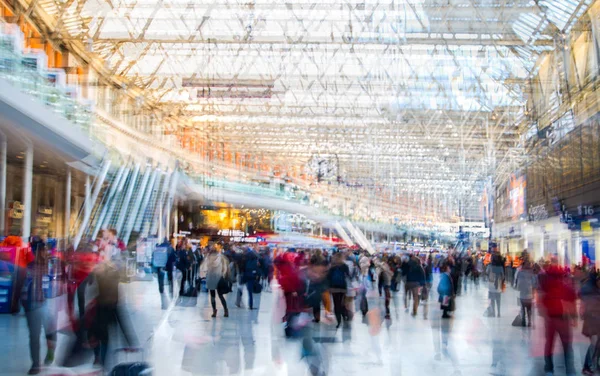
{"x":215,"y":269}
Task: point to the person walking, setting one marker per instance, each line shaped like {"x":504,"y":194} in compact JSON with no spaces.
{"x":590,"y":305}
{"x":364,"y":264}
{"x":316,"y":274}
{"x":415,"y":280}
{"x":428,"y":275}
{"x":558,"y":308}
{"x":337,"y":278}
{"x":526,"y":283}
{"x":163,"y":266}
{"x":108,"y":310}
{"x":446,"y":292}
{"x":215,"y":269}
{"x":250,"y":274}
{"x":385,"y":274}
{"x":37,"y":315}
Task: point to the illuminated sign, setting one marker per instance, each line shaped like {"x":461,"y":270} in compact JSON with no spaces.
{"x":236,"y":233}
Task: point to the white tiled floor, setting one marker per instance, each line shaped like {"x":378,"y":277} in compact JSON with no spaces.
{"x":186,"y":341}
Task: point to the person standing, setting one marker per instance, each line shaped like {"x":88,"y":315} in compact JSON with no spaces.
{"x":526,"y":282}
{"x":183,"y":265}
{"x":215,"y":269}
{"x":495,"y":284}
{"x":590,"y":304}
{"x":337,"y":278}
{"x":558,"y":308}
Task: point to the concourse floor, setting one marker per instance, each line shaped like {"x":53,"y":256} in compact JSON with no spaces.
{"x":185,"y":340}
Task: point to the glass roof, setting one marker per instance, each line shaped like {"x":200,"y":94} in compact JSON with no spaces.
{"x":376,"y":83}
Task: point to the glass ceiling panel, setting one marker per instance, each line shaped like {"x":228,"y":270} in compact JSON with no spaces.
{"x":377,"y":82}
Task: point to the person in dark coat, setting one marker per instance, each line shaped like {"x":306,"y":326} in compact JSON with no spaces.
{"x":415,"y":280}
{"x":183,"y":264}
{"x":337,"y":278}
{"x":250,"y":274}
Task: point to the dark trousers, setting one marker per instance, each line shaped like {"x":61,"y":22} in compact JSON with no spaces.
{"x":316,"y":308}
{"x":81,"y":297}
{"x":161,"y":280}
{"x":592,"y":354}
{"x":250,"y":287}
{"x":526,"y":310}
{"x":19,"y":277}
{"x":36,"y":320}
{"x":562,"y":327}
{"x":213,"y":300}
{"x":388,"y":297}
{"x":106,"y":317}
{"x":338,"y":306}
{"x":364,"y":304}
{"x":185,"y":276}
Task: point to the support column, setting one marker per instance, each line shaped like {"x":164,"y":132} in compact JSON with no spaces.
{"x":175,"y":222}
{"x":67,"y":204}
{"x":2,"y":184}
{"x":27,"y":188}
{"x":88,"y":194}
{"x":597,"y":249}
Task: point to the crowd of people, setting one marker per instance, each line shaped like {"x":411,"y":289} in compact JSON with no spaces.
{"x":317,"y":285}
{"x":95,"y":264}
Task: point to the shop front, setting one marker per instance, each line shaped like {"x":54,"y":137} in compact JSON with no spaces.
{"x":510,"y":237}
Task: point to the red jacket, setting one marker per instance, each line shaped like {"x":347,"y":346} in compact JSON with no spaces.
{"x":82,"y":264}
{"x":288,"y":273}
{"x":557,"y":293}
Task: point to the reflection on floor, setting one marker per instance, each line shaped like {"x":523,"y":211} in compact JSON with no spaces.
{"x":184,"y":340}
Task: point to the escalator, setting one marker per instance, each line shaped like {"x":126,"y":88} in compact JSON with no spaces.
{"x":131,"y":199}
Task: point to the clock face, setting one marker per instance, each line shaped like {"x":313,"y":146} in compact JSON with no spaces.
{"x":323,"y":168}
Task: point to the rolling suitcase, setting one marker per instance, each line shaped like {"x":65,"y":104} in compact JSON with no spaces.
{"x":139,"y":368}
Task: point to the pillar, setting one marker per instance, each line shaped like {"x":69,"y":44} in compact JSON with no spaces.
{"x":68,"y":203}
{"x":175,"y":222}
{"x":88,"y":194}
{"x":2,"y":184}
{"x":597,"y":249}
{"x":27,"y":188}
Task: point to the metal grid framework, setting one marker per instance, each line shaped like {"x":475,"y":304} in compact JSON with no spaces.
{"x":419,"y":96}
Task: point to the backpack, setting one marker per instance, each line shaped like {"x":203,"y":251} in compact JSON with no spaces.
{"x":159,"y":257}
{"x":338,"y":277}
